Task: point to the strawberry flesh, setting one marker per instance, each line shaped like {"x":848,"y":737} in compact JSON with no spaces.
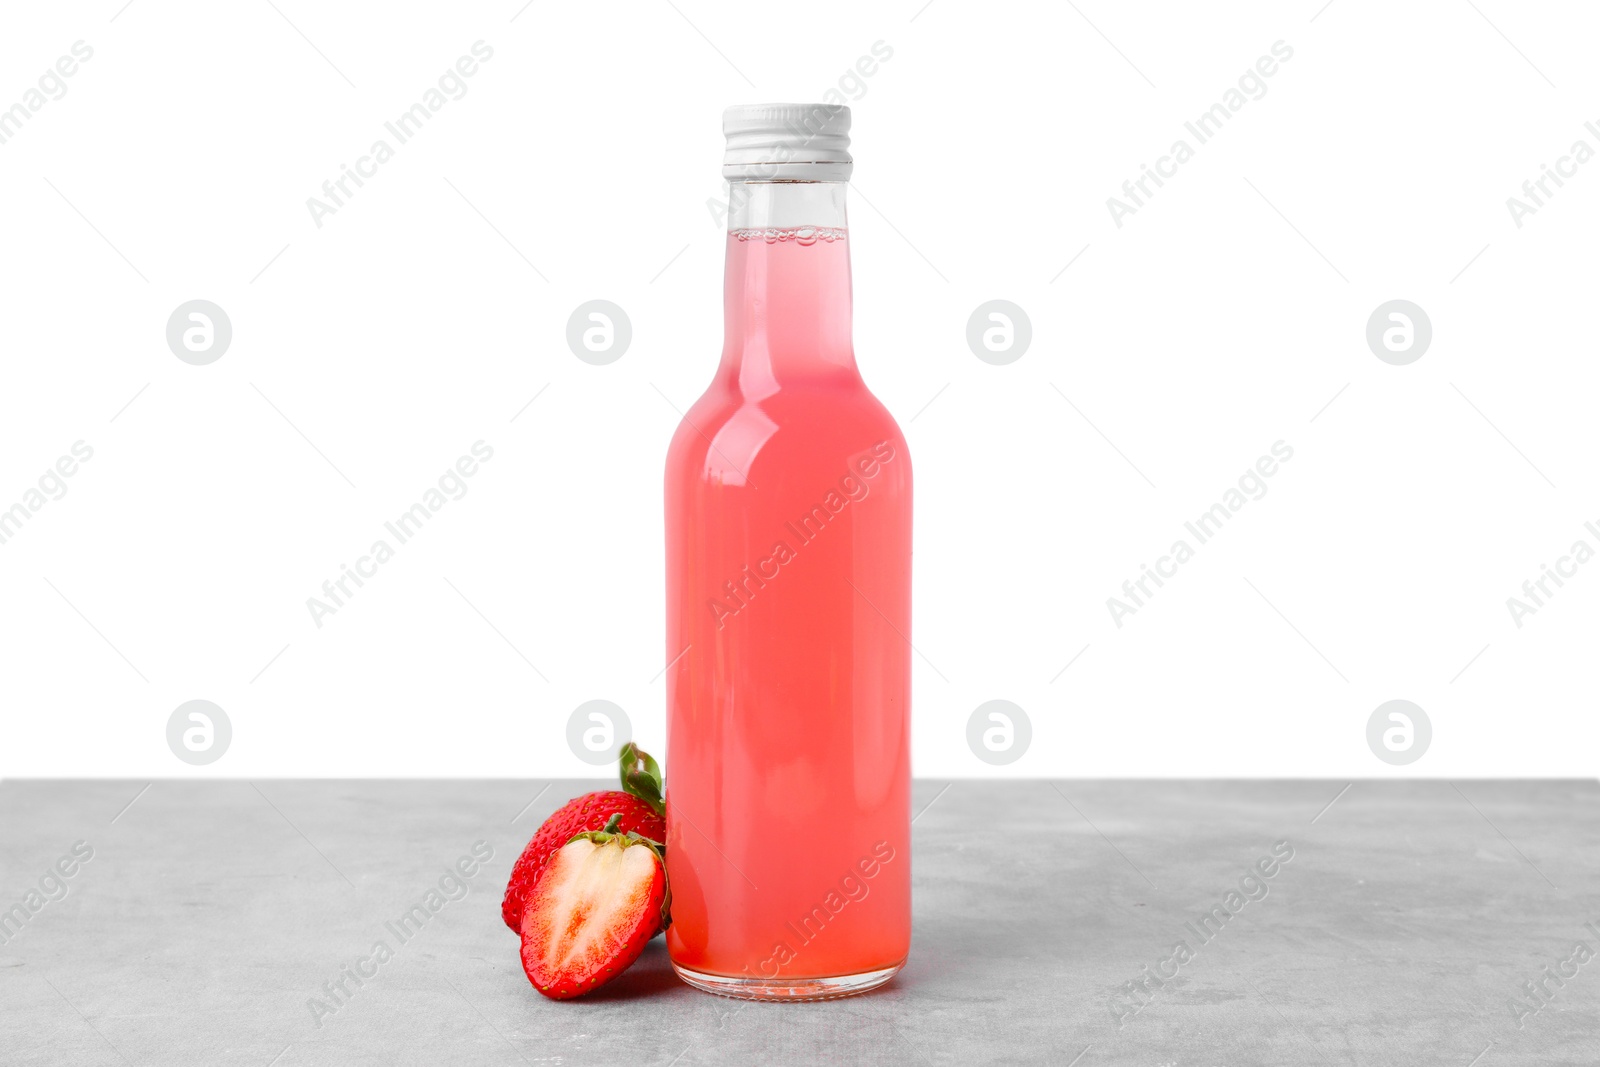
{"x":595,"y":905}
{"x":585,"y":813}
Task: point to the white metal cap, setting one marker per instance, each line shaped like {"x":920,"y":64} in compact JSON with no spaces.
{"x":787,"y":142}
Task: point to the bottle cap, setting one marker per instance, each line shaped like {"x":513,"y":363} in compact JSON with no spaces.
{"x":787,"y":142}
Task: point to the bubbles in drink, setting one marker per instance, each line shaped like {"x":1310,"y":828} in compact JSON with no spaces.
{"x":804,"y":235}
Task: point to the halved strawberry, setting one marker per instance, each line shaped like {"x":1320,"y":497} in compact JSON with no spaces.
{"x":640,"y":809}
{"x":599,"y":900}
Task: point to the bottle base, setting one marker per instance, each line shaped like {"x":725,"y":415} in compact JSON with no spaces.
{"x":790,"y":989}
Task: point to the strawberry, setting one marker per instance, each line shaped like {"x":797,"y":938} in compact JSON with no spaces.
{"x":598,"y":901}
{"x":640,"y":809}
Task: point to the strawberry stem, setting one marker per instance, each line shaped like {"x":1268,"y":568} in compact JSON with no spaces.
{"x":641,"y":776}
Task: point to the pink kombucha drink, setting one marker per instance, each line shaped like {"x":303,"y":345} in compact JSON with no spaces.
{"x":788,"y":528}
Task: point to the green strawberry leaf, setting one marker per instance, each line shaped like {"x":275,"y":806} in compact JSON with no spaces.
{"x":641,"y":776}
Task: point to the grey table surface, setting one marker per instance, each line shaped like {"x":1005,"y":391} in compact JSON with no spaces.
{"x":1411,"y":919}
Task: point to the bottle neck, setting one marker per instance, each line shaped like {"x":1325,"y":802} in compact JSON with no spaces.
{"x":786,"y":298}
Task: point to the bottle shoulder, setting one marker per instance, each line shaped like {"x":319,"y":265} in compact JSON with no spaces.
{"x":730,"y":438}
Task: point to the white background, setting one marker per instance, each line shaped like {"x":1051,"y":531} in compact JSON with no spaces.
{"x":1224,"y":316}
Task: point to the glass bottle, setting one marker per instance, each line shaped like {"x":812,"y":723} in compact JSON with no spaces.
{"x":788,"y":530}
